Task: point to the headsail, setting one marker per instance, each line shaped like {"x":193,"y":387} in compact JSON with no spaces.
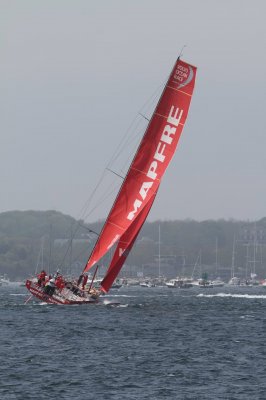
{"x":124,"y":246}
{"x":150,"y":162}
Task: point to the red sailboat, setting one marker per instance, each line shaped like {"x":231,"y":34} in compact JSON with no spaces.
{"x":139,"y":188}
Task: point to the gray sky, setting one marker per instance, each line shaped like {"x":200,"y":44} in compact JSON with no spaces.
{"x":74,"y":74}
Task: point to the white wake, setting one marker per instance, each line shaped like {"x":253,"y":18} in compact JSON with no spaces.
{"x":234,"y":295}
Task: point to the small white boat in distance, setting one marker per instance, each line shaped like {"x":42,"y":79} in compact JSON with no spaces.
{"x":234,"y":281}
{"x":217,"y":283}
{"x":147,"y":284}
{"x":179,"y":283}
{"x":202,"y":283}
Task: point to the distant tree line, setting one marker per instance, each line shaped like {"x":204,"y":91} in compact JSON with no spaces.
{"x":30,"y":240}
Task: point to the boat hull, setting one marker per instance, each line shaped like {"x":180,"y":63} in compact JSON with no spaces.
{"x":179,"y":283}
{"x":38,"y":292}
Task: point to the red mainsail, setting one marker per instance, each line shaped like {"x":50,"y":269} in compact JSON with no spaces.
{"x":149,"y":164}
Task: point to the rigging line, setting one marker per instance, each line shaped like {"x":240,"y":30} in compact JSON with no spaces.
{"x":130,"y":139}
{"x":181,"y":52}
{"x":154,"y":94}
{"x":134,"y":147}
{"x":149,"y":102}
{"x":127,"y":143}
{"x":88,"y":229}
{"x":123,"y":142}
{"x":124,"y":139}
{"x":82,"y":253}
{"x":109,"y":188}
{"x":138,"y":133}
{"x":131,"y":127}
{"x":116,"y":153}
{"x":133,"y":138}
{"x":70,"y":242}
{"x":147,"y":119}
{"x":107,"y":192}
{"x":84,"y":212}
{"x":149,"y":107}
{"x":115,"y":173}
{"x":86,"y":206}
{"x":88,"y":201}
{"x":28,"y":299}
{"x":72,"y":235}
{"x":101,"y":201}
{"x":112,"y":187}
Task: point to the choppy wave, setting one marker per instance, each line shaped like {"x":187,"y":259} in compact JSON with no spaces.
{"x":18,"y":294}
{"x":155,"y":344}
{"x":234,"y":295}
{"x":119,"y":295}
{"x":110,"y":303}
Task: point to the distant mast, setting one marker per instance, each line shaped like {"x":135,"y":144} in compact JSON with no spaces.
{"x":233,"y":259}
{"x":159,"y":251}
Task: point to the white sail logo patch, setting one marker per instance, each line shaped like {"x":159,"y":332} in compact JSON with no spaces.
{"x":183,"y":75}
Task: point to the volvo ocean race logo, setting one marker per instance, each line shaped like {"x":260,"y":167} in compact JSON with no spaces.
{"x":183,"y":75}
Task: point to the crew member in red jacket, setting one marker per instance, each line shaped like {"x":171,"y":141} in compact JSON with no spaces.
{"x":41,"y":278}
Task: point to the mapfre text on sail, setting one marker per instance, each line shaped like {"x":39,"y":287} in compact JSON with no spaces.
{"x":166,"y":139}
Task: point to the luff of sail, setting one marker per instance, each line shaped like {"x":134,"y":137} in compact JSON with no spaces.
{"x":151,"y":160}
{"x":124,"y":246}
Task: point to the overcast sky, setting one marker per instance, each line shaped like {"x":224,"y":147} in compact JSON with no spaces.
{"x":74,"y":74}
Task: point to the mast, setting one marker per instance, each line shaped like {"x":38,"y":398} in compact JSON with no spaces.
{"x":159,"y":251}
{"x":247,"y":260}
{"x":71,"y":251}
{"x":233,"y":259}
{"x":40,"y":256}
{"x":254,"y":251}
{"x":94,"y":275}
{"x":50,"y":250}
{"x":216,"y":256}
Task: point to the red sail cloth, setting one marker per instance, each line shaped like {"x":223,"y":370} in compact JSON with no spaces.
{"x":151,"y":160}
{"x":124,"y":246}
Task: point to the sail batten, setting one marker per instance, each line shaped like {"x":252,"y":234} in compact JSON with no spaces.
{"x":154,"y":153}
{"x":179,"y":90}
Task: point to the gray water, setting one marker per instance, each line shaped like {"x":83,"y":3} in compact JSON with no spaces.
{"x":159,"y":343}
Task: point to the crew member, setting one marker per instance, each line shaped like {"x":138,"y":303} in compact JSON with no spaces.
{"x":50,"y":287}
{"x":41,"y":278}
